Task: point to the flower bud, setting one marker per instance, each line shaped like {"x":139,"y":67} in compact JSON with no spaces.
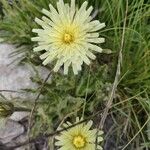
{"x":6,"y":109}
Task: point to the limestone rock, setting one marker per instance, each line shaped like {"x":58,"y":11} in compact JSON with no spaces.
{"x":10,"y":131}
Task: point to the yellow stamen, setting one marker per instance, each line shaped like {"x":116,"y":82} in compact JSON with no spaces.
{"x":68,"y":38}
{"x":79,"y":141}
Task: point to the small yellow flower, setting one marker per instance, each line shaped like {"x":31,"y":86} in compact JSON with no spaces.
{"x":80,"y":137}
{"x":68,"y":36}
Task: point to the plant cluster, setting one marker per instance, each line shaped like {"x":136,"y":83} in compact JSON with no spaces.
{"x":65,"y":97}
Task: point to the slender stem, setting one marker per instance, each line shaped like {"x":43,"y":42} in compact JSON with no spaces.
{"x":35,"y":102}
{"x":86,"y":94}
{"x":118,"y":72}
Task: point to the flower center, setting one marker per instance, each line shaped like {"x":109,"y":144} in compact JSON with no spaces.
{"x":68,"y":38}
{"x":79,"y":141}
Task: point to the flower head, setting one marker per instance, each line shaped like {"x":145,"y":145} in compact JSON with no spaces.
{"x":68,"y":36}
{"x":80,"y":137}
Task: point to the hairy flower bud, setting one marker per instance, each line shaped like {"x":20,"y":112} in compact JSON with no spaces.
{"x":6,"y":109}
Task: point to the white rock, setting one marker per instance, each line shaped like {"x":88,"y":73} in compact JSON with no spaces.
{"x":11,"y":130}
{"x":14,"y":77}
{"x":17,"y":116}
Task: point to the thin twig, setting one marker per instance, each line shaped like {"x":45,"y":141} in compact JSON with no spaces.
{"x":35,"y":102}
{"x":86,"y":94}
{"x":136,"y":134}
{"x":11,"y":91}
{"x":115,"y":84}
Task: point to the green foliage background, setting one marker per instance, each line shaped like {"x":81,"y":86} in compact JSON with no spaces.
{"x":66,"y":96}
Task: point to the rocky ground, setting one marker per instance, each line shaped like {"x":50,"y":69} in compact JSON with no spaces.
{"x":14,"y":78}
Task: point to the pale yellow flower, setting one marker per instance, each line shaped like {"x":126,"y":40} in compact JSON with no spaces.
{"x":80,"y":137}
{"x":68,"y":36}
